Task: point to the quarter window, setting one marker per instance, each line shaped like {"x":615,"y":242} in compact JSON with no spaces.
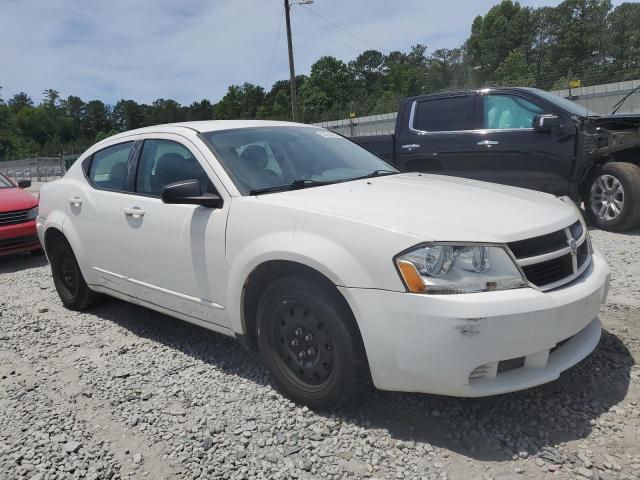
{"x":509,"y":111}
{"x":108,"y":169}
{"x":442,"y":114}
{"x":163,"y":162}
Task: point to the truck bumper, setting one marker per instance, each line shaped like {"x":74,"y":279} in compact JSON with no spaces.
{"x":479,"y":344}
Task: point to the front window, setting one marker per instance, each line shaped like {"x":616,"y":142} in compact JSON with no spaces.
{"x":5,"y":182}
{"x":509,"y":111}
{"x":163,"y":162}
{"x":280,"y":158}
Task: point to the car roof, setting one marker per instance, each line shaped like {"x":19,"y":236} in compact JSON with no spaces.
{"x":209,"y":126}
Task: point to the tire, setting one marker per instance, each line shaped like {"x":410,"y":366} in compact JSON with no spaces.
{"x":612,"y":197}
{"x":310,"y":344}
{"x":37,"y":252}
{"x":68,"y":279}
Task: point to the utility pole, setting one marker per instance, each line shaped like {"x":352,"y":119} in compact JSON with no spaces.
{"x":292,"y":70}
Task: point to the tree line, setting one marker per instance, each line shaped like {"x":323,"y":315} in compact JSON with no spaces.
{"x":509,"y":45}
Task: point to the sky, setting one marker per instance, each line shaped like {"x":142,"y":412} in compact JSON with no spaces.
{"x":194,"y":49}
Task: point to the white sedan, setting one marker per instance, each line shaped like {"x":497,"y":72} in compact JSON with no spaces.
{"x":336,"y":267}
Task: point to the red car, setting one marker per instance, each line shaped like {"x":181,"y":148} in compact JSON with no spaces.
{"x":18,"y":212}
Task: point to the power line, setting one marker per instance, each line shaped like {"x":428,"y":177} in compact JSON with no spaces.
{"x":377,"y":47}
{"x":275,"y":45}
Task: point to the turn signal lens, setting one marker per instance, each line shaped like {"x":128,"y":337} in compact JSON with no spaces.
{"x":411,"y":277}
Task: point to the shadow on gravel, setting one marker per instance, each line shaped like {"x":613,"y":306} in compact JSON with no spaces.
{"x":210,"y":347}
{"x":492,"y":428}
{"x":496,"y":428}
{"x":21,"y":261}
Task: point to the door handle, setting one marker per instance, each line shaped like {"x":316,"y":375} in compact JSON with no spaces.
{"x":135,"y":212}
{"x":488,"y":143}
{"x":75,"y":201}
{"x":410,"y":146}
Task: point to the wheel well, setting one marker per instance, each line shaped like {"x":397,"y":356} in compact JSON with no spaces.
{"x":263,"y":275}
{"x":631,"y":155}
{"x":51,"y":237}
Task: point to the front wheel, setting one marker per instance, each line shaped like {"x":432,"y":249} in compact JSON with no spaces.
{"x":612,"y":201}
{"x":310,"y":344}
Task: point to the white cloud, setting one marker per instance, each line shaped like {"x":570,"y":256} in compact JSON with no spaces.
{"x":193,"y":49}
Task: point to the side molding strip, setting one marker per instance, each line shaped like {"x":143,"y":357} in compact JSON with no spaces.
{"x":201,"y":301}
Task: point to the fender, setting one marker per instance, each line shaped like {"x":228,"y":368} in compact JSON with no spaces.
{"x":316,"y":251}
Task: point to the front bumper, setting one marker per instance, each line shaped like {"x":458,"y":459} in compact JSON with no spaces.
{"x":21,"y":237}
{"x":479,"y":344}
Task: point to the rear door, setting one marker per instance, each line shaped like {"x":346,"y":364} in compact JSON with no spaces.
{"x":438,"y":136}
{"x":511,"y":152}
{"x":94,"y":207}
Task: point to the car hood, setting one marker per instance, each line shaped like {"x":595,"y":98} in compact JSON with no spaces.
{"x":16,"y":199}
{"x":435,"y":207}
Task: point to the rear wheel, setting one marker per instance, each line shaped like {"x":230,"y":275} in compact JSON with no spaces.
{"x":309,"y":343}
{"x":612,"y":201}
{"x":68,"y":279}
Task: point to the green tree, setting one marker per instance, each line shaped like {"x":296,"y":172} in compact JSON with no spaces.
{"x":127,"y":115}
{"x":506,"y":27}
{"x":624,"y":36}
{"x":19,"y":101}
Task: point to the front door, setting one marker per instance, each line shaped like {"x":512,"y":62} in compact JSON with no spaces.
{"x":439,"y":138}
{"x":175,"y":254}
{"x":511,"y":152}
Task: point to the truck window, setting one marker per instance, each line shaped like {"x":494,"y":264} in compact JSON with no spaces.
{"x":509,"y":111}
{"x":442,"y":114}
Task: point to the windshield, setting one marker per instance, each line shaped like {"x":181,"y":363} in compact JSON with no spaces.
{"x":282,"y":158}
{"x":5,"y":182}
{"x":572,"y":107}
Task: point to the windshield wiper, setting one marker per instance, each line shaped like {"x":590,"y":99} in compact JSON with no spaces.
{"x":378,"y":173}
{"x":295,"y":185}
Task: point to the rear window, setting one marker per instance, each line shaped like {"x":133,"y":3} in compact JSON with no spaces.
{"x":442,"y":114}
{"x":108,"y":168}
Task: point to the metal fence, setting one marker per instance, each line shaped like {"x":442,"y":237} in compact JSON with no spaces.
{"x":597,"y":98}
{"x":36,"y":169}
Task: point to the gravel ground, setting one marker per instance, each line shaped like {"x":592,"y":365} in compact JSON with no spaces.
{"x":124,"y":392}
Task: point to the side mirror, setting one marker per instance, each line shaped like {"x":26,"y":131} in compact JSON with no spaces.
{"x":189,"y":192}
{"x":546,"y":123}
{"x":24,"y":183}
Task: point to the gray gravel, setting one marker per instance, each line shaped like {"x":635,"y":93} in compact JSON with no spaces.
{"x":124,"y":392}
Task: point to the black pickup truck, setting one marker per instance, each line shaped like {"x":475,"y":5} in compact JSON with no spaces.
{"x":524,"y":137}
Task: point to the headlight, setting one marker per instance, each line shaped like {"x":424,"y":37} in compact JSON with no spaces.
{"x":33,"y":213}
{"x":448,"y":268}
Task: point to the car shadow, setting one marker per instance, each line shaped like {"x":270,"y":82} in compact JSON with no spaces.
{"x":21,"y":261}
{"x":491,"y":428}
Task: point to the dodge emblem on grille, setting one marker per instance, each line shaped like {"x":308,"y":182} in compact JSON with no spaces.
{"x":573,"y":245}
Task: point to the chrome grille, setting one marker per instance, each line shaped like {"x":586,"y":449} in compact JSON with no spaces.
{"x":10,"y":218}
{"x":552,"y":260}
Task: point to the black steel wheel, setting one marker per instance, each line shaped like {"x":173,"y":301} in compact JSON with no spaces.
{"x":68,"y":279}
{"x":309,"y":343}
{"x":303,"y":345}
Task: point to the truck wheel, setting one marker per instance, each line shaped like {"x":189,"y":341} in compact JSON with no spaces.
{"x":68,"y":279}
{"x":612,"y":201}
{"x":309,"y":343}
